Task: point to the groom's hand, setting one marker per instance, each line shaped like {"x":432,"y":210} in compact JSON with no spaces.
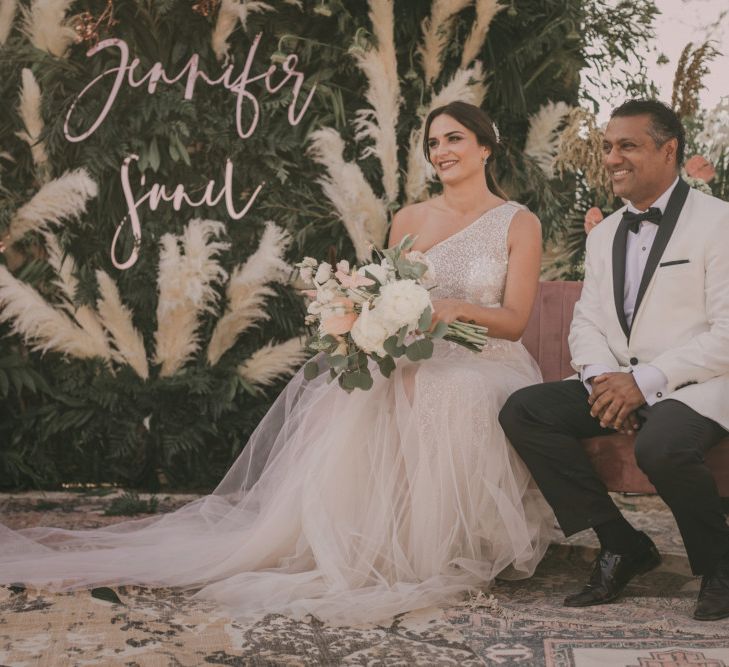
{"x":614,"y":399}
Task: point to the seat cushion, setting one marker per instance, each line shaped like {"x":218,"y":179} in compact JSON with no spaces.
{"x":614,"y":459}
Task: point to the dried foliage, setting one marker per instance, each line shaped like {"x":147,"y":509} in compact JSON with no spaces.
{"x":580,"y":150}
{"x":687,"y":82}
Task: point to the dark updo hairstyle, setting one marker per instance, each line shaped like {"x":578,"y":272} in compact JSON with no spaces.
{"x":477,"y":120}
{"x":665,"y":123}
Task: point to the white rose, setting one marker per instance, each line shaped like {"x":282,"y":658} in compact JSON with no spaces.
{"x":369,"y":332}
{"x":323,"y":273}
{"x":306,"y":274}
{"x":324,"y":295}
{"x":402,"y":303}
{"x":314,"y":308}
{"x":308,"y":262}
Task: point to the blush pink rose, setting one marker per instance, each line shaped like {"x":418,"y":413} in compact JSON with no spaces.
{"x":353,"y":280}
{"x":592,"y":218}
{"x":698,"y":166}
{"x":336,"y":325}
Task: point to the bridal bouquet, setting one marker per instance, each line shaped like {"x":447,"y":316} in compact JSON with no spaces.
{"x":379,"y":311}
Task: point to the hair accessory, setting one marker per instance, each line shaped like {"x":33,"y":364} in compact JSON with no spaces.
{"x":496,"y":132}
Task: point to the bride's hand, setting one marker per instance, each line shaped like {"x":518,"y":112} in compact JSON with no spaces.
{"x":447,"y":310}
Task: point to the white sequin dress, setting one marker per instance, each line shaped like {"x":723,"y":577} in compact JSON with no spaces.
{"x":351,"y":507}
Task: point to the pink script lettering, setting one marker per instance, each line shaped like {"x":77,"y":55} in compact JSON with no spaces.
{"x":158,"y":193}
{"x":238,"y":85}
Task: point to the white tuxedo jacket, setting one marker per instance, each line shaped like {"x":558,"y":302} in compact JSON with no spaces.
{"x":681,"y":319}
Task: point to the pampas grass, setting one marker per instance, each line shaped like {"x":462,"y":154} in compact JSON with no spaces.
{"x":117,"y":320}
{"x":247,"y":290}
{"x":64,"y":266}
{"x":66,"y":281}
{"x":379,"y":64}
{"x":186,"y":290}
{"x":62,"y":198}
{"x":42,"y":326}
{"x":30,"y":113}
{"x":580,"y":150}
{"x":466,"y":85}
{"x":230,"y":12}
{"x":273,"y":362}
{"x":7,"y":16}
{"x":437,"y":32}
{"x":363,"y":214}
{"x":542,"y":137}
{"x":46,"y":26}
{"x":485,"y":12}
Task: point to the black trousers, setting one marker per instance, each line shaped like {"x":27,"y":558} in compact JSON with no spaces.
{"x":544,"y":424}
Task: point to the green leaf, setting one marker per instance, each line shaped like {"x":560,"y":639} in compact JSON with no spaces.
{"x":439,"y":330}
{"x":337,"y":361}
{"x":346,"y":381}
{"x":311,"y":370}
{"x":362,"y":380}
{"x":386,"y":364}
{"x":153,"y":154}
{"x":401,"y":334}
{"x":425,"y":319}
{"x":412,"y":270}
{"x":105,"y":594}
{"x":392,"y":348}
{"x":420,"y":349}
{"x":406,"y":243}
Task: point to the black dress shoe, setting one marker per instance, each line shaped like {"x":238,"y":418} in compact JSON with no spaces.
{"x":611,"y":573}
{"x":713,"y":601}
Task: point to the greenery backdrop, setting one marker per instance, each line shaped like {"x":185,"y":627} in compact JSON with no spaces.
{"x":69,"y":419}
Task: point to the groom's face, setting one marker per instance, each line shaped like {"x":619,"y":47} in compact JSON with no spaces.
{"x":639,"y":168}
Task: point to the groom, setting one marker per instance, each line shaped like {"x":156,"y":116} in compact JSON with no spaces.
{"x":650,"y":340}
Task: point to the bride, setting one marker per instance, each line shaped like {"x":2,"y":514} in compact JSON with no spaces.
{"x":356,"y":507}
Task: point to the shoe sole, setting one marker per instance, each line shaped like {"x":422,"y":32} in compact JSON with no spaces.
{"x":647,"y":568}
{"x":712,"y":617}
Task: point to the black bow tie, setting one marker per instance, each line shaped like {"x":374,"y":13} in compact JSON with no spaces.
{"x":653,"y":215}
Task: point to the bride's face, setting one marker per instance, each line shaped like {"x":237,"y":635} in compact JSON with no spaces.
{"x":454,"y":150}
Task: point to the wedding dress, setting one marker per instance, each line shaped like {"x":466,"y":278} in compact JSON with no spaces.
{"x":350,"y":507}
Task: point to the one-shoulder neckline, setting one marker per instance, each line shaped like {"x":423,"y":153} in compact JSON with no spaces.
{"x":469,"y":225}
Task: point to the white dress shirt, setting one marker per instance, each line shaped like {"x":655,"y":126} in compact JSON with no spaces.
{"x":650,"y":380}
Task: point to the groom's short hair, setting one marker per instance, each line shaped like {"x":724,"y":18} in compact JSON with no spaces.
{"x":665,"y":122}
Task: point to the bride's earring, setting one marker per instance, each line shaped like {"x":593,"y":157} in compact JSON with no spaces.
{"x":485,"y":159}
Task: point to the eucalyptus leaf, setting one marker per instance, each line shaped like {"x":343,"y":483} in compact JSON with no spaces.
{"x":386,"y":365}
{"x":311,"y":370}
{"x":362,"y":380}
{"x":439,"y":330}
{"x":338,"y":361}
{"x":425,"y":319}
{"x":420,"y":349}
{"x":392,"y":348}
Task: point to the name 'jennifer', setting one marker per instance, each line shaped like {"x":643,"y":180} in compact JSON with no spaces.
{"x":238,"y":85}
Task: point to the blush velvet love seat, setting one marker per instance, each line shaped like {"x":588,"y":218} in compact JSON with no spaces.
{"x":612,"y":455}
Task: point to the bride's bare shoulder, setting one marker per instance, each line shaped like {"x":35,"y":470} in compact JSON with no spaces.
{"x":410,"y":218}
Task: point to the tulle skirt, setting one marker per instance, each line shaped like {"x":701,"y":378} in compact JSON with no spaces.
{"x":349,"y":507}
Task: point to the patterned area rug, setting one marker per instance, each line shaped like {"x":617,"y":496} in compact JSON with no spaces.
{"x":514,"y":623}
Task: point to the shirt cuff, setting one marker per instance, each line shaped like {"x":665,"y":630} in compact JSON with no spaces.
{"x":590,"y":371}
{"x":651,"y":381}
